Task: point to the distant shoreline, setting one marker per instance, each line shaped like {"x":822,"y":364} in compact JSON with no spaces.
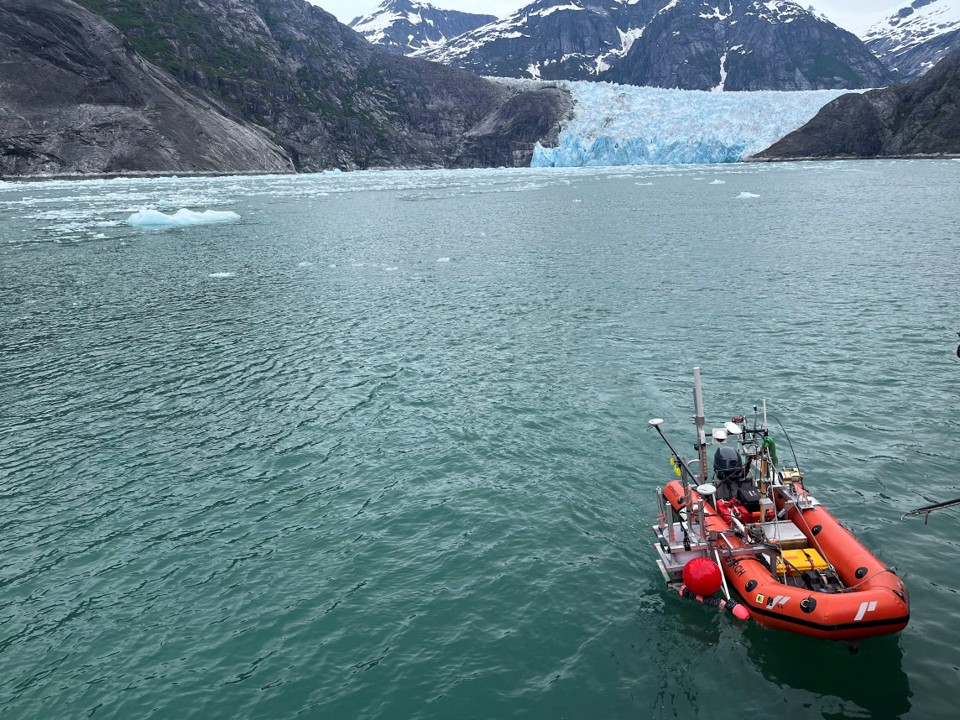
{"x":135,"y":174}
{"x":918,"y":156}
{"x":148,"y":175}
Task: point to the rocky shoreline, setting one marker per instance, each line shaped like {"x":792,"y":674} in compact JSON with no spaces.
{"x":812,"y":158}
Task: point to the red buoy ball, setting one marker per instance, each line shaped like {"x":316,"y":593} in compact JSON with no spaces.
{"x":702,"y":576}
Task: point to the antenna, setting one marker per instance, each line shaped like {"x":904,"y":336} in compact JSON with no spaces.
{"x":732,"y":428}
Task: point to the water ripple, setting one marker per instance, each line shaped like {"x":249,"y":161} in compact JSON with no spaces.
{"x":356,"y":481}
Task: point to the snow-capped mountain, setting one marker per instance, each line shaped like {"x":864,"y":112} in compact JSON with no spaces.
{"x":403,"y":26}
{"x":690,"y":44}
{"x":913,"y":38}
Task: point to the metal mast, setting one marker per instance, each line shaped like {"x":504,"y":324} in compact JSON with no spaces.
{"x":700,"y":419}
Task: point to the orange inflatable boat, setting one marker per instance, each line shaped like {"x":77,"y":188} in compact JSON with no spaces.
{"x":752,"y":539}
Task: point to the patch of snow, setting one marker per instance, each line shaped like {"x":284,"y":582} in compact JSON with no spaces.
{"x":723,"y":74}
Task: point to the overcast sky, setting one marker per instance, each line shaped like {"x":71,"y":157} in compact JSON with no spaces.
{"x":854,"y":15}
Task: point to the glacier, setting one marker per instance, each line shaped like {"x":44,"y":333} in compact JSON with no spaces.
{"x":628,"y":125}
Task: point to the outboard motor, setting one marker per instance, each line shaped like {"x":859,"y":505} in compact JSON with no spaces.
{"x":727,"y":464}
{"x":732,"y":479}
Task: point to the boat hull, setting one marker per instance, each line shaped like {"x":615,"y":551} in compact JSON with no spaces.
{"x":874,"y":601}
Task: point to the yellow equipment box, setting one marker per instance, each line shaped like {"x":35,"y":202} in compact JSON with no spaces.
{"x":794,"y":562}
{"x":790,"y":475}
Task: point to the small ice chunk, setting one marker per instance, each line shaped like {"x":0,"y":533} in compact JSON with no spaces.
{"x":155,"y":218}
{"x":443,"y":259}
{"x":222,"y":275}
{"x":719,"y":182}
{"x":746,"y":196}
{"x":304,"y":264}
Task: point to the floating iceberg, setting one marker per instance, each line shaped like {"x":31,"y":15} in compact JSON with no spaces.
{"x":627,"y":125}
{"x":155,"y":218}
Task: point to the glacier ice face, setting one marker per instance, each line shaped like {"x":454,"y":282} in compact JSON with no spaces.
{"x":628,"y":125}
{"x":156,"y":219}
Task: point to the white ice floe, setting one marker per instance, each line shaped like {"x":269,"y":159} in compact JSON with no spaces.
{"x":746,"y":196}
{"x":222,"y":275}
{"x":155,"y":218}
{"x":443,"y":260}
{"x":719,"y":182}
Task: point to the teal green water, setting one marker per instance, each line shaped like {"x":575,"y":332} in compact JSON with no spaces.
{"x":379,"y":448}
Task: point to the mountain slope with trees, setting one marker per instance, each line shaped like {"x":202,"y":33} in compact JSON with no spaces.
{"x":313,"y":91}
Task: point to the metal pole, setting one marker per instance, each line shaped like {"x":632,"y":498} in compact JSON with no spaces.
{"x":700,"y":419}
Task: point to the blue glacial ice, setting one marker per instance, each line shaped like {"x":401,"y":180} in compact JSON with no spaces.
{"x":155,"y":218}
{"x":627,"y":125}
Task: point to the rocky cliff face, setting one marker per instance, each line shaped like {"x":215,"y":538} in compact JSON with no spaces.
{"x":76,"y":98}
{"x":917,"y":118}
{"x":912,"y":39}
{"x":278,"y":69}
{"x":331,"y":98}
{"x":690,"y":44}
{"x":405,"y":26}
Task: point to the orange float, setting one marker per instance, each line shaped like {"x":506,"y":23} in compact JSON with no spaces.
{"x":785,"y":559}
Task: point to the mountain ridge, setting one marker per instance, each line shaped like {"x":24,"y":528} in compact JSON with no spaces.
{"x":916,"y":36}
{"x":688,"y":44}
{"x":405,"y":26}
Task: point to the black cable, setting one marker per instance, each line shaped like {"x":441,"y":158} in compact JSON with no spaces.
{"x":795,"y":461}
